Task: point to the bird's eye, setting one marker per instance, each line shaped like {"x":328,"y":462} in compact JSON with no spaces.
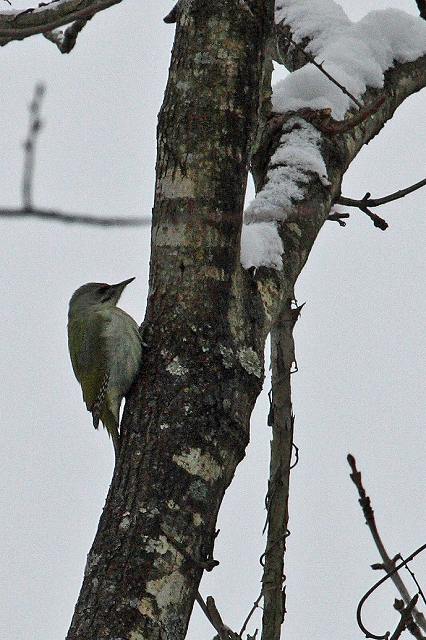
{"x":103,"y":288}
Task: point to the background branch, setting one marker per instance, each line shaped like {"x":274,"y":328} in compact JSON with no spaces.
{"x":388,"y":563}
{"x":52,"y":215}
{"x":34,"y":127}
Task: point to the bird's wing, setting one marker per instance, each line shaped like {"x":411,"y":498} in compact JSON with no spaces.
{"x":88,"y":356}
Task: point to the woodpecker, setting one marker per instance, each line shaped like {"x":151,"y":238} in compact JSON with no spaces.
{"x":105,"y":349}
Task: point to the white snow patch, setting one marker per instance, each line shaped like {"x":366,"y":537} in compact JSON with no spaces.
{"x":355,"y":53}
{"x":296,"y":159}
{"x":261,"y":246}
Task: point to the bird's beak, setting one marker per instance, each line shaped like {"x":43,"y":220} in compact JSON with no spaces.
{"x":115,"y":290}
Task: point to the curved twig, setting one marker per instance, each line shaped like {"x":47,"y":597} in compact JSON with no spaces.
{"x":365,"y":597}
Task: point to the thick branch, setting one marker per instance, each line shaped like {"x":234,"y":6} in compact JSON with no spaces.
{"x":18,"y":25}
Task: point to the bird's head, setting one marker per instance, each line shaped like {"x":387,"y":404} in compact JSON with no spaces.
{"x":96,"y":294}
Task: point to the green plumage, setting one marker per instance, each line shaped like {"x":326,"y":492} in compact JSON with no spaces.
{"x":105,"y":349}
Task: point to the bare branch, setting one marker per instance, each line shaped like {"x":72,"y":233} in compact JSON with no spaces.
{"x":30,"y":145}
{"x":22,"y":24}
{"x":366,"y":202}
{"x":53,"y":215}
{"x":376,"y":202}
{"x":388,"y":563}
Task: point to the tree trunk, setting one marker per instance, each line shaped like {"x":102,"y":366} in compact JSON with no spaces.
{"x":186,"y":423}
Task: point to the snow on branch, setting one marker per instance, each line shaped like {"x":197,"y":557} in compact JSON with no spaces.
{"x":18,"y":24}
{"x":356,"y":54}
{"x":379,"y":61}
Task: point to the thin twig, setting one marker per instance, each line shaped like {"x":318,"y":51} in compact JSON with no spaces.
{"x":377,"y":202}
{"x":53,"y":215}
{"x":251,"y":612}
{"x":388,"y":563}
{"x":34,"y":127}
{"x":319,"y":66}
{"x":416,"y":582}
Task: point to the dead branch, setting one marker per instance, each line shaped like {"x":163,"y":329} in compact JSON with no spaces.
{"x":389,"y":563}
{"x":281,"y":419}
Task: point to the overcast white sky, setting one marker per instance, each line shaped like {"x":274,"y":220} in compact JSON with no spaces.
{"x":360,"y":347}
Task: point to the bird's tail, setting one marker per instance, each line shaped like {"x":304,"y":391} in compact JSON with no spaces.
{"x":110,"y":422}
